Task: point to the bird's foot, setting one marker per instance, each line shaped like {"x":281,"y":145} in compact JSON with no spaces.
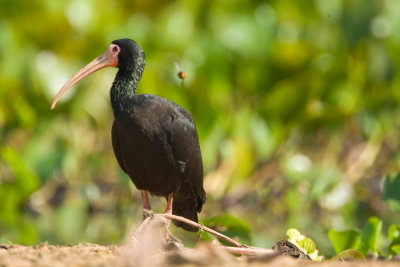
{"x":147,"y":213}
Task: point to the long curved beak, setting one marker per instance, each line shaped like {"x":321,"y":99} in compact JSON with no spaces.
{"x":107,"y":59}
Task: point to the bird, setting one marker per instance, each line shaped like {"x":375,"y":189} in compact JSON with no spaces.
{"x":155,"y":140}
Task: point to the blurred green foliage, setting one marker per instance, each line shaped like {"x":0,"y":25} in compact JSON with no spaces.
{"x":391,"y":187}
{"x":394,"y":238}
{"x":228,"y":225}
{"x":351,"y":243}
{"x":297,"y":108}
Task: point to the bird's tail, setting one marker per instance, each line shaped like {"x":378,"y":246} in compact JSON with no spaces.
{"x":187,"y":208}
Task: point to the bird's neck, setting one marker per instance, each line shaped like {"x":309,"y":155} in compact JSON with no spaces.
{"x":123,"y":90}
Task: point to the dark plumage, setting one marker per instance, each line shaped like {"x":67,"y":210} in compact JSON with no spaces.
{"x":155,"y":140}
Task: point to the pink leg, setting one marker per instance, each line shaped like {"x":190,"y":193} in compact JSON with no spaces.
{"x":169,"y":204}
{"x":146,"y":202}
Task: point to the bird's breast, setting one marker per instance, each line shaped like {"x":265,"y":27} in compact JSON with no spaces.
{"x":146,"y":155}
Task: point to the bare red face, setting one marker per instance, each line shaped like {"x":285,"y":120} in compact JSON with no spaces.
{"x":107,"y":59}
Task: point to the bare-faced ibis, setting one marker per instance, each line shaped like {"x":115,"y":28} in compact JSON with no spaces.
{"x":155,"y":140}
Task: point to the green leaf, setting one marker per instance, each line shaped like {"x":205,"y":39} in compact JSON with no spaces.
{"x":394,"y":237}
{"x":394,"y":233}
{"x":308,"y":245}
{"x":294,"y":235}
{"x":369,"y":235}
{"x":344,"y":240}
{"x":391,"y":187}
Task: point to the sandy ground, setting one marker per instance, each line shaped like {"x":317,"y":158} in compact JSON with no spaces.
{"x":152,"y":245}
{"x":47,"y":255}
{"x":96,"y":255}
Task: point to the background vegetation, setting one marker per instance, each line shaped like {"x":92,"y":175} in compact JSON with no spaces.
{"x":296,"y":104}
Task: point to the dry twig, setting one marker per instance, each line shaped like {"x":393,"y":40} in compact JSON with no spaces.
{"x":250,"y":251}
{"x":238,"y":248}
{"x":204,"y":228}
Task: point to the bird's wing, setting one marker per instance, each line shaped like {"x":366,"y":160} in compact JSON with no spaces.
{"x":116,"y":146}
{"x":186,"y":149}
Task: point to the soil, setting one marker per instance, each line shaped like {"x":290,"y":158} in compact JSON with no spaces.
{"x":48,"y":255}
{"x":96,"y":255}
{"x":152,"y":244}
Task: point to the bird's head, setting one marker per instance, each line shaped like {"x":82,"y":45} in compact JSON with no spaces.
{"x":130,"y":54}
{"x":125,"y":54}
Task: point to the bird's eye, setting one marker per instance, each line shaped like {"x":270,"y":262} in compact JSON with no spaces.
{"x":115,"y":49}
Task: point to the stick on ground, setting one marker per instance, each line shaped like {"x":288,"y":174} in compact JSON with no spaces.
{"x":238,"y":248}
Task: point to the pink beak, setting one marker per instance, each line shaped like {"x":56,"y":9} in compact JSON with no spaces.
{"x":107,"y":59}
